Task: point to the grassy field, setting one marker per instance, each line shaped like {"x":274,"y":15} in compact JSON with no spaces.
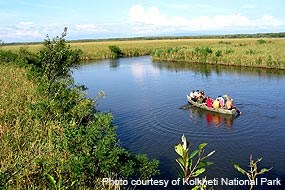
{"x":22,"y":139}
{"x":255,"y":52}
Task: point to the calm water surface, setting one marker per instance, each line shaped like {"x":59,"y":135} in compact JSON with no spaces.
{"x":145,"y":97}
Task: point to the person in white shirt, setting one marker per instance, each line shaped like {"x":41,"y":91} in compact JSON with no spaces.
{"x":196,"y":95}
{"x":192,"y":96}
{"x":222,"y":101}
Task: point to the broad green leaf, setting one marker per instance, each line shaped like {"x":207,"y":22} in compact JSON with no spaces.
{"x":204,"y":164}
{"x":179,"y":150}
{"x":194,"y":153}
{"x":239,"y":169}
{"x":263,"y":170}
{"x":202,"y":146}
{"x":199,"y":172}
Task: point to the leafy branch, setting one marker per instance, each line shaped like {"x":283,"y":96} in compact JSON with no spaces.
{"x":190,"y":166}
{"x":253,"y":172}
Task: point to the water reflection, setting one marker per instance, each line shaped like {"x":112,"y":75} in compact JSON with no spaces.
{"x":114,"y":63}
{"x":207,"y":70}
{"x":141,"y":71}
{"x":212,"y":119}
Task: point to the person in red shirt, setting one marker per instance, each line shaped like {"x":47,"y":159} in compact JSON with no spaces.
{"x":209,"y":102}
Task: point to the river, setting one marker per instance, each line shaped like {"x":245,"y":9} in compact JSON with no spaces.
{"x":145,"y":97}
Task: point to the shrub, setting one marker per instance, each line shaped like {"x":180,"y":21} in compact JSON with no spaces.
{"x":8,"y":56}
{"x":203,"y":51}
{"x":218,"y":53}
{"x":116,"y":51}
{"x":56,"y":59}
{"x":261,"y":41}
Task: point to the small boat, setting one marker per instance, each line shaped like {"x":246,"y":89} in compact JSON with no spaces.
{"x":232,"y":112}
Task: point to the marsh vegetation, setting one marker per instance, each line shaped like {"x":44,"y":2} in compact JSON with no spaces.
{"x":51,"y":135}
{"x":250,"y":52}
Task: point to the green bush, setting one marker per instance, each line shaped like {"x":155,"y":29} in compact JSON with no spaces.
{"x":56,"y":59}
{"x":116,"y":51}
{"x":203,"y":51}
{"x":218,"y":53}
{"x":8,"y":56}
{"x":261,"y":41}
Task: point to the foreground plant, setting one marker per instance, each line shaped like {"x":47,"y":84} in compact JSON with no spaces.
{"x":193,"y":164}
{"x":253,"y":172}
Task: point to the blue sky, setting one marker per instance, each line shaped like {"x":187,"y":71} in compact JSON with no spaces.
{"x":32,"y":20}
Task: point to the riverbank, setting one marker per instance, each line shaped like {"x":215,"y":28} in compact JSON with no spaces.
{"x":51,"y":134}
{"x":259,"y":53}
{"x":250,"y":52}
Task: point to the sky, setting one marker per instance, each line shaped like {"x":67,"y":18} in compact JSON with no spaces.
{"x":32,"y":20}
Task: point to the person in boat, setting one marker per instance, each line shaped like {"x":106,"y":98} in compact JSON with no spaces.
{"x":209,"y":102}
{"x":221,"y":101}
{"x":203,"y":96}
{"x":196,"y":95}
{"x":216,"y":103}
{"x":200,"y":99}
{"x":226,"y":98}
{"x":192,"y":96}
{"x":230,"y":106}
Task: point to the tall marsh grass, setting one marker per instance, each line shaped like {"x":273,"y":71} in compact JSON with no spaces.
{"x":250,"y":53}
{"x":265,"y":52}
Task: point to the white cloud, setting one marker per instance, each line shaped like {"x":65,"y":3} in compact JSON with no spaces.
{"x":268,"y":21}
{"x":28,"y":31}
{"x":148,"y":19}
{"x":22,"y":31}
{"x":138,"y":14}
{"x":141,"y":72}
{"x":20,"y":34}
{"x":88,"y":28}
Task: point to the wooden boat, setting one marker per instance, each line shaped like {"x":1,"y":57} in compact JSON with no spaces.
{"x":232,"y":112}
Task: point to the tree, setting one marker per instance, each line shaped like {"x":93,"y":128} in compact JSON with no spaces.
{"x":57,"y":58}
